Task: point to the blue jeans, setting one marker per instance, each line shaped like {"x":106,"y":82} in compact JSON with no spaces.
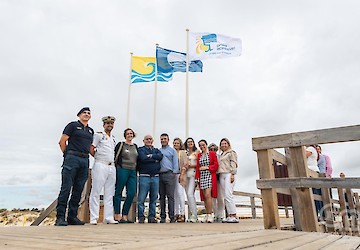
{"x":74,"y":175}
{"x":146,"y":185}
{"x":318,"y":204}
{"x":124,"y":177}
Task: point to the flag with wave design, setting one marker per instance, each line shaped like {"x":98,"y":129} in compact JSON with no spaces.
{"x":143,"y":70}
{"x":172,"y":61}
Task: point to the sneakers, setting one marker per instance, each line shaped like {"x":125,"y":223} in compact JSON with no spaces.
{"x":60,"y":222}
{"x":93,"y":222}
{"x":152,"y":220}
{"x":110,"y":221}
{"x":172,"y":220}
{"x":210,"y":218}
{"x":193,"y":219}
{"x":231,"y":219}
{"x":181,"y":218}
{"x":205,"y":219}
{"x":218,"y":220}
{"x":163,"y":220}
{"x":75,"y":221}
{"x":142,"y":220}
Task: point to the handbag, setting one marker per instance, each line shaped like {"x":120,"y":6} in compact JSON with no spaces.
{"x":118,"y":152}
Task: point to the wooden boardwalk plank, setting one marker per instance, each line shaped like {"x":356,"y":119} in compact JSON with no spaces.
{"x":304,"y":241}
{"x":246,"y":234}
{"x":345,"y":242}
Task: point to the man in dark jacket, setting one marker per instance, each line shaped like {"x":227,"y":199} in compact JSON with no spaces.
{"x":148,"y":166}
{"x":75,"y":144}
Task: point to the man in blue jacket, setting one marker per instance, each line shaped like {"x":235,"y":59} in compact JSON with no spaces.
{"x":148,"y":166}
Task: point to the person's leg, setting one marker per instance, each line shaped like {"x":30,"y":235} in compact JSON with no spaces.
{"x":181,"y":194}
{"x":207,"y":200}
{"x":170,"y":192}
{"x":130,"y":193}
{"x":162,"y":193}
{"x":317,"y":203}
{"x":67,"y":179}
{"x":190,"y":193}
{"x":121,"y":179}
{"x":154,"y":191}
{"x":98,"y":176}
{"x":80,"y":179}
{"x":228,"y":189}
{"x":177,"y":196}
{"x":208,"y":205}
{"x":144,"y":188}
{"x":109,"y":191}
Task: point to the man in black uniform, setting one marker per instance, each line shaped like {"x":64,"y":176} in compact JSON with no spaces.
{"x":75,"y":144}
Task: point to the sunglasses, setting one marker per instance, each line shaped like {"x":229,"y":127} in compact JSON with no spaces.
{"x":86,"y":112}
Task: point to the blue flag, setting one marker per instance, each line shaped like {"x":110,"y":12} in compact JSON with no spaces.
{"x":169,"y":61}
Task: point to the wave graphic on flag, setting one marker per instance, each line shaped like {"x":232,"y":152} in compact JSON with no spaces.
{"x":143,"y":70}
{"x":173,"y":61}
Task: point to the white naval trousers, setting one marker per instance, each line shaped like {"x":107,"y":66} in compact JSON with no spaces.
{"x":179,"y":197}
{"x":228,"y":189}
{"x":103,"y":176}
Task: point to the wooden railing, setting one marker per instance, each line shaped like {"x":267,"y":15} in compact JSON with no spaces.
{"x":252,"y":204}
{"x":301,"y":178}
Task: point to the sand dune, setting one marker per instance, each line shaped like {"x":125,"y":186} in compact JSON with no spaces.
{"x":23,"y":218}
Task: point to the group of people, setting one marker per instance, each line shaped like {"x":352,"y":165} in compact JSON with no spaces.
{"x":320,"y":163}
{"x":168,"y":173}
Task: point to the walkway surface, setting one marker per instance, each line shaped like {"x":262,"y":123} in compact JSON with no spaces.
{"x":246,"y":234}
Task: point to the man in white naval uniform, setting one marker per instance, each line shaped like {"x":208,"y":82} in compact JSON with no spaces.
{"x":103,"y":172}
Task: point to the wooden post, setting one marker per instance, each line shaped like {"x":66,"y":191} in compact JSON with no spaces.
{"x":269,"y":196}
{"x":357,"y":203}
{"x":293,"y":193}
{"x":344,"y":213}
{"x":84,"y":211}
{"x":303,"y":200}
{"x":354,"y":224}
{"x":253,"y":208}
{"x":45,"y":213}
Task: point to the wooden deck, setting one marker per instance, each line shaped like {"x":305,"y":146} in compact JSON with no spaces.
{"x":246,"y":234}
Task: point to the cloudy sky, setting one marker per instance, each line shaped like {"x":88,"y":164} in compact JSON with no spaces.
{"x":299,"y":71}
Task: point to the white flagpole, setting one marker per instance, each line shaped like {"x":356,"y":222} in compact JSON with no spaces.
{"x":187,"y":87}
{"x":155,"y":98}
{"x":129,"y":91}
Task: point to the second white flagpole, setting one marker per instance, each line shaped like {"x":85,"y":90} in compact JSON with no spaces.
{"x":155,"y":97}
{"x":129,"y":92}
{"x":187,"y":87}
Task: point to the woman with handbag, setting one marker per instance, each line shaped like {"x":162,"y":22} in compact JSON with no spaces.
{"x":191,"y":152}
{"x":126,"y":154}
{"x":181,"y":179}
